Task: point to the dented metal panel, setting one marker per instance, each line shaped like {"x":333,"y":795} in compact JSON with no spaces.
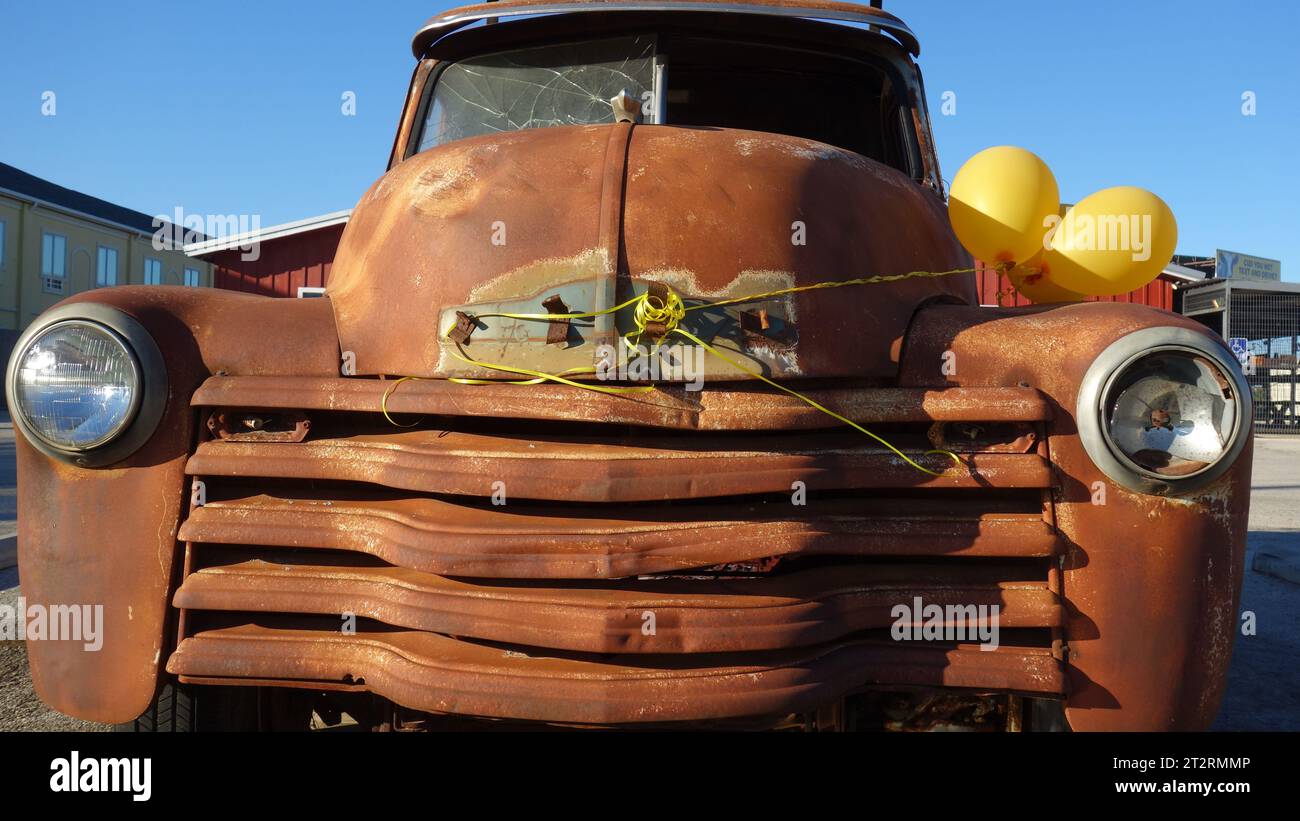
{"x":689,"y":615}
{"x":435,"y":673}
{"x":574,"y":542}
{"x":590,"y":469}
{"x":636,"y":212}
{"x":721,"y":407}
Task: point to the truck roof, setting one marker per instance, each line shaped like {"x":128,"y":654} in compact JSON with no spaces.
{"x":456,"y":18}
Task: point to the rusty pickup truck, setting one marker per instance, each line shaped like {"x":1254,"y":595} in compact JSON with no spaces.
{"x":294,"y":511}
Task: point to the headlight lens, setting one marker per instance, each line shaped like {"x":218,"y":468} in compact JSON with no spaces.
{"x":1172,"y":413}
{"x":77,"y":385}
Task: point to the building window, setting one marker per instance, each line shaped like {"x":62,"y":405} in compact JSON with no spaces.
{"x":2,"y":245}
{"x":106,"y":268}
{"x":310,"y":292}
{"x":54,"y":261}
{"x":152,"y":271}
{"x":193,"y":278}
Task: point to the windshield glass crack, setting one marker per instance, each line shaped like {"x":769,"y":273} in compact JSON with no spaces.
{"x":569,"y":84}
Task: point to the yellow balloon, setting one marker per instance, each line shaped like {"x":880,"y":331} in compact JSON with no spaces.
{"x":1034,"y":280}
{"x":999,"y":201}
{"x":1112,"y":242}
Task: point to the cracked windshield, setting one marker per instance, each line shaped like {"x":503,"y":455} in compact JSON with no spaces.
{"x":569,"y":84}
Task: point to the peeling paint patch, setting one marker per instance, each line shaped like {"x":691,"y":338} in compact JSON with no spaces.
{"x":1214,"y":501}
{"x":540,"y":275}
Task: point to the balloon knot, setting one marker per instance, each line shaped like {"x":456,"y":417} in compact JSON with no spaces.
{"x":658,"y":312}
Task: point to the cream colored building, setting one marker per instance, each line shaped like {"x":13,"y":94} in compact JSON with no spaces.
{"x":55,"y":242}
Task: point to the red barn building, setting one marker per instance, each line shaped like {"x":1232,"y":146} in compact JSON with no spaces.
{"x":287,"y":260}
{"x":996,"y":289}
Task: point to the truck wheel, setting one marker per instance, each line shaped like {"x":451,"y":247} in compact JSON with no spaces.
{"x":180,"y":708}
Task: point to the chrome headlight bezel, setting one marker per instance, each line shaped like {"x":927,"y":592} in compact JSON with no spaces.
{"x":147,"y":403}
{"x":1112,"y":364}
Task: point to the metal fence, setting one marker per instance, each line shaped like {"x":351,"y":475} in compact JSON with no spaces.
{"x":1267,"y":317}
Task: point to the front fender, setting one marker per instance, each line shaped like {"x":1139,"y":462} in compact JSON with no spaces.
{"x":107,"y":536}
{"x":1151,"y":583}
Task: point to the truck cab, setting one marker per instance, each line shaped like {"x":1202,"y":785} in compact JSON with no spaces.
{"x":875,"y":505}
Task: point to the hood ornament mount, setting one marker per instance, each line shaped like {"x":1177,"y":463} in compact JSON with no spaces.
{"x":627,"y":109}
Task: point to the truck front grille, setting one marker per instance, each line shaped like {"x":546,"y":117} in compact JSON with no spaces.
{"x":626,"y":573}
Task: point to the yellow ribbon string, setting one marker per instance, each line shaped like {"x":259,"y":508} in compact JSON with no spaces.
{"x":651,"y":309}
{"x":537,"y":380}
{"x":540,"y":376}
{"x":669,"y":313}
{"x":550,"y":317}
{"x":733,"y":363}
{"x":383,"y":402}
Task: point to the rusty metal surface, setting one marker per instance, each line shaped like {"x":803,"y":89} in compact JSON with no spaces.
{"x":258,"y":426}
{"x":691,"y":616}
{"x":635,"y":211}
{"x":434,"y":673}
{"x":108,"y":536}
{"x":590,"y":469}
{"x":569,"y":542}
{"x":1151,"y":583}
{"x":720,"y":407}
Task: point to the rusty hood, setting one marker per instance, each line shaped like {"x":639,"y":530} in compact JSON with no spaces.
{"x":595,"y":214}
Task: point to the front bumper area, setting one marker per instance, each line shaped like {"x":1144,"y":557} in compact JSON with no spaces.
{"x":439,"y":674}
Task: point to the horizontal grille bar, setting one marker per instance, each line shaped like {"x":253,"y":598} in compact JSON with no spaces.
{"x":690,"y":616}
{"x":439,"y":674}
{"x":717,"y":409}
{"x":588,"y":469}
{"x":437,"y":536}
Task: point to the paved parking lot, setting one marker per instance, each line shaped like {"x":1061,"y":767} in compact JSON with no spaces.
{"x":1264,"y":680}
{"x":1263,"y":685}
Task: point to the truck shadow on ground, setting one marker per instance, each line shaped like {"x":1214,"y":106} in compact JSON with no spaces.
{"x":1264,"y":676}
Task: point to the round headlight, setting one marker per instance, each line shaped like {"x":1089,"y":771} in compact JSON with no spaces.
{"x":87,"y":384}
{"x":1164,"y":410}
{"x":77,"y":385}
{"x":1171,"y":413}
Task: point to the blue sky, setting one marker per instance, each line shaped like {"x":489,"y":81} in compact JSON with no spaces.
{"x":235,"y":107}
